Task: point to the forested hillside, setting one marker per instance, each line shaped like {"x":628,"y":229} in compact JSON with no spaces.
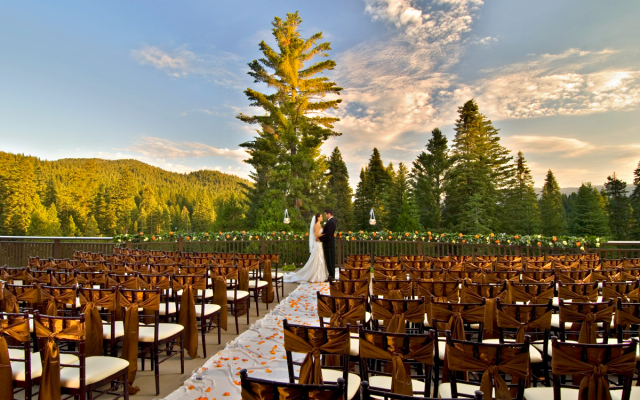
{"x":93,"y":197}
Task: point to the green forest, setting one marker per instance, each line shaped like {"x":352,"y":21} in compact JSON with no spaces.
{"x":94,"y":197}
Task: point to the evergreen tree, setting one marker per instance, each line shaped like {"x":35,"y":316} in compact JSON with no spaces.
{"x":231,"y":214}
{"x":360,"y":210}
{"x":588,"y":216}
{"x":185,"y":221}
{"x":150,"y":219}
{"x":618,"y":208}
{"x":634,"y":200}
{"x":92,"y":229}
{"x":203,"y":214}
{"x":70,"y":228}
{"x":17,"y":194}
{"x":428,"y":176}
{"x":403,"y":212}
{"x":521,"y":214}
{"x":480,"y":166}
{"x":286,"y":153}
{"x":474,"y":217}
{"x":123,"y":202}
{"x":44,"y":221}
{"x":553,"y":215}
{"x":373,"y":193}
{"x":340,"y":192}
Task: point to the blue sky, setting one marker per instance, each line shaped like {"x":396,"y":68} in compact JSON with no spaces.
{"x":161,"y":81}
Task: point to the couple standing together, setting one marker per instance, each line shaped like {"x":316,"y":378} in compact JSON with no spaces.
{"x":322,"y":245}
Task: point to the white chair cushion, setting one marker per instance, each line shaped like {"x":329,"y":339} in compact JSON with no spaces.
{"x":546,"y":393}
{"x":535,"y":356}
{"x":252,"y":284}
{"x":384,"y":382}
{"x":354,"y":349}
{"x":444,"y":390}
{"x":119,"y":330}
{"x":171,"y":307}
{"x":241,"y":294}
{"x":635,"y":394}
{"x":278,"y":274}
{"x":442,"y":346}
{"x":332,"y":375}
{"x":207,"y":293}
{"x":17,"y":367}
{"x":98,"y":368}
{"x":164,"y":331}
{"x":208,"y":309}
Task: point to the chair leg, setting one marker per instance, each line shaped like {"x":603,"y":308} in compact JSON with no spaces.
{"x":182,"y":353}
{"x":219,"y":329}
{"x":202,"y":330}
{"x":255,"y":296}
{"x":156,"y":361}
{"x":125,"y":384}
{"x":248,"y":308}
{"x":277,"y":292}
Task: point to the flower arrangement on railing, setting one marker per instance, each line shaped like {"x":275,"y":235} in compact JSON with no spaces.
{"x":382,"y":235}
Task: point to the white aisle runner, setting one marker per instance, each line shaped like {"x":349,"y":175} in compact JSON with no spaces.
{"x":260,"y":349}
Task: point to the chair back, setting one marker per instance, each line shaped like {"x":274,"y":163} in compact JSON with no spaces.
{"x":585,"y":319}
{"x":395,"y":314}
{"x":458,"y":318}
{"x":534,"y":293}
{"x":517,"y":320}
{"x":256,"y":389}
{"x":349,"y":287}
{"x":395,"y":289}
{"x":355,"y":273}
{"x":341,"y":310}
{"x":445,"y":291}
{"x":397,"y":355}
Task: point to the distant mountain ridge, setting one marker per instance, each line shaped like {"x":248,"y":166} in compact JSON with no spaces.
{"x":569,"y":190}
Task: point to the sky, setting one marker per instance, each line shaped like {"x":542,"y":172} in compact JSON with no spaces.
{"x":162,"y":81}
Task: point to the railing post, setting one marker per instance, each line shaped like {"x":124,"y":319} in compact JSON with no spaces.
{"x":57,"y":249}
{"x":129,"y":245}
{"x":263,"y":246}
{"x":420,"y":253}
{"x":340,"y":258}
{"x":180,"y":244}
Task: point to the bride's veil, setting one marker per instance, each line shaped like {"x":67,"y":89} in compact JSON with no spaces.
{"x":312,"y":234}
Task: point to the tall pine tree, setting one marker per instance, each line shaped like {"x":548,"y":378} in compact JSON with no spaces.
{"x":403,"y":212}
{"x":18,"y":193}
{"x":340,"y":193}
{"x":286,"y":153}
{"x":553,"y":215}
{"x":588,"y":216}
{"x":360,"y":203}
{"x":373,"y":193}
{"x":481,"y":166}
{"x":428,"y":179}
{"x":618,"y":208}
{"x":635,"y":203}
{"x":521,"y":214}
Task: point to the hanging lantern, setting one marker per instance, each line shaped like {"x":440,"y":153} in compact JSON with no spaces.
{"x":372,"y":218}
{"x":286,"y":216}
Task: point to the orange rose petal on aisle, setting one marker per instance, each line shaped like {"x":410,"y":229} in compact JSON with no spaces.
{"x":190,"y":387}
{"x":225,"y":394}
{"x":268,"y":371}
{"x":263,"y":363}
{"x":208,"y":389}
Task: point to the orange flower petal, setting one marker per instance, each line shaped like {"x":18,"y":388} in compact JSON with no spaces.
{"x":226,"y":394}
{"x":268,"y":371}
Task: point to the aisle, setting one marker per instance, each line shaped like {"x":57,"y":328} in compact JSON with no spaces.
{"x":260,"y":349}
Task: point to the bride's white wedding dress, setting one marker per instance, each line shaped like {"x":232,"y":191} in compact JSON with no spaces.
{"x":315,"y":270}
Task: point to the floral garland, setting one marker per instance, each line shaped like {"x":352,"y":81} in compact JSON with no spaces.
{"x":432,"y":237}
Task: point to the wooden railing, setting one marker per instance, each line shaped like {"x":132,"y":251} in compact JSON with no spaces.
{"x":16,"y":250}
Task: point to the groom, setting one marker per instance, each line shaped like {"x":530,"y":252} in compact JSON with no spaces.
{"x":329,"y":243}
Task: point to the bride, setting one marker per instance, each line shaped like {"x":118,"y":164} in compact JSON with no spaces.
{"x":316,"y":268}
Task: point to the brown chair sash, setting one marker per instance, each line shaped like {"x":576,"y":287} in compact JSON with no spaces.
{"x":485,"y":278}
{"x":589,"y":321}
{"x":267,"y":295}
{"x":340,"y":317}
{"x":50,"y":381}
{"x":400,"y":380}
{"x":568,"y":294}
{"x":594,"y":384}
{"x":440,"y":292}
{"x":346,"y":289}
{"x":19,"y":331}
{"x":623,"y":276}
{"x":220,"y":298}
{"x":507,"y":321}
{"x":98,"y":279}
{"x":398,"y":317}
{"x":517,"y":366}
{"x":93,"y":321}
{"x":258,"y":391}
{"x":456,"y":319}
{"x":243,"y":278}
{"x":310,"y":372}
{"x":187,"y":317}
{"x":392,"y":290}
{"x":490,"y":323}
{"x":517,"y":294}
{"x":131,"y":330}
{"x":10,"y":301}
{"x":54,"y":301}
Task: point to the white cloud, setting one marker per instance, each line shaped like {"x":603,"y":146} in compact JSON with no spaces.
{"x":568,"y":147}
{"x":180,"y":62}
{"x":164,"y":149}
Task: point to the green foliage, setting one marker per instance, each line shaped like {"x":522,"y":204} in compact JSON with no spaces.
{"x":44,"y":221}
{"x":634,"y":200}
{"x":618,"y":208}
{"x":18,"y":196}
{"x":553,"y":214}
{"x":428,"y":174}
{"x":403,"y":210}
{"x":286,"y":153}
{"x":373,"y":193}
{"x":588,"y":216}
{"x":70,"y":228}
{"x":231,"y":214}
{"x":481,"y":167}
{"x":204,"y":214}
{"x":339,"y":191}
{"x":521,"y":214}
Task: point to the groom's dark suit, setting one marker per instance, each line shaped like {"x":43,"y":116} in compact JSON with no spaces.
{"x":329,"y":246}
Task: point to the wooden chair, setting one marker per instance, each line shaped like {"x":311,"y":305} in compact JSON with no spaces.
{"x":277,"y":277}
{"x":153,"y":336}
{"x":590,"y":322}
{"x":378,"y":349}
{"x":253,"y":388}
{"x":349,"y":287}
{"x":317,"y":342}
{"x":256,"y":284}
{"x":393,"y":315}
{"x":396,"y":289}
{"x":26,"y":367}
{"x":576,"y":362}
{"x":239,"y":300}
{"x":342,"y":311}
{"x":84,"y":375}
{"x":105,"y":302}
{"x":355,"y":273}
{"x":465,"y":357}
